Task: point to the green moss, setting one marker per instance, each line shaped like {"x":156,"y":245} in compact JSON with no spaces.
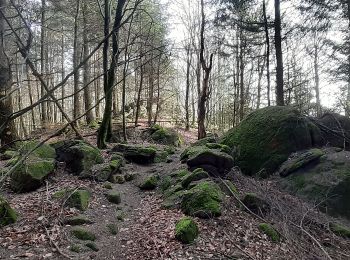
{"x":30,"y":174}
{"x":115,"y":164}
{"x":266,"y":137}
{"x":129,"y":176}
{"x":117,"y":178}
{"x":197,"y":175}
{"x":112,"y":228}
{"x":83,"y":234}
{"x":270,"y":232}
{"x":45,"y":151}
{"x":75,"y":248}
{"x":179,"y":174}
{"x":7,"y":214}
{"x":113,"y":197}
{"x":92,"y":246}
{"x":339,"y":230}
{"x":166,"y":182}
{"x":74,"y":198}
{"x":107,"y":185}
{"x":7,"y":155}
{"x":161,"y":156}
{"x":78,"y":220}
{"x":222,"y":147}
{"x":166,"y":136}
{"x":202,"y":201}
{"x":170,"y":149}
{"x":118,"y":157}
{"x":137,"y":154}
{"x":186,"y":230}
{"x":174,"y":199}
{"x":204,"y":141}
{"x":150,"y":183}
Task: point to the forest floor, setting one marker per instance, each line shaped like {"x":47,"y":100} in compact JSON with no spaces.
{"x":146,"y":231}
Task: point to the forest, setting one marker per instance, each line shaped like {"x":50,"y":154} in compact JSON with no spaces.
{"x":159,"y":129}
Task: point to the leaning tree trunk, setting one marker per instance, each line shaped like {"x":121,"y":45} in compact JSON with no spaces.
{"x":8,"y":131}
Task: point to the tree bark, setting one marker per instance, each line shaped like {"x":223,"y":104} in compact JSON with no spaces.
{"x":187,"y":106}
{"x":44,"y":116}
{"x":279,"y":56}
{"x":76,"y":109}
{"x":267,"y":39}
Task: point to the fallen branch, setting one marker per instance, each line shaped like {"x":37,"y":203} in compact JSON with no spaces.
{"x":55,"y":245}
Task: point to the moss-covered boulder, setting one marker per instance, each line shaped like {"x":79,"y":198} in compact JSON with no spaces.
{"x":186,"y":230}
{"x":203,"y":200}
{"x":31,"y":174}
{"x":161,"y":157}
{"x":45,"y":151}
{"x":213,"y":160}
{"x":77,"y":198}
{"x":137,"y":154}
{"x":270,"y":232}
{"x":205,"y":140}
{"x":7,"y":214}
{"x":83,"y":234}
{"x":77,"y":220}
{"x":166,"y":136}
{"x":325,"y":183}
{"x":102,"y":172}
{"x":113,"y":197}
{"x":256,"y":204}
{"x":196,"y":175}
{"x":78,"y":156}
{"x":117,"y":178}
{"x":340,"y":230}
{"x":149,"y":183}
{"x":266,"y":137}
{"x":299,"y":160}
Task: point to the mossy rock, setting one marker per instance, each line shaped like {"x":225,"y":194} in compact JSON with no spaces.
{"x":202,"y":201}
{"x":75,"y":248}
{"x":325,"y":183}
{"x":113,"y":197}
{"x":78,"y":156}
{"x":118,"y":157}
{"x":45,"y":151}
{"x":129,"y":176}
{"x":30,"y":175}
{"x":112,"y":228}
{"x":256,"y":204}
{"x":179,"y":174}
{"x":92,"y":246}
{"x":161,"y":157}
{"x":150,"y":183}
{"x":267,"y":136}
{"x":196,"y":175}
{"x":83,"y":234}
{"x":74,"y":198}
{"x":222,"y":147}
{"x":270,"y":232}
{"x":98,"y":172}
{"x":170,"y":149}
{"x":186,"y":230}
{"x":166,"y":182}
{"x":117,"y":178}
{"x":173,"y":198}
{"x":339,"y":230}
{"x":107,"y":185}
{"x":297,"y":161}
{"x":204,"y":141}
{"x":78,"y":220}
{"x":166,"y":137}
{"x":136,"y":154}
{"x":7,"y":214}
{"x":9,"y":154}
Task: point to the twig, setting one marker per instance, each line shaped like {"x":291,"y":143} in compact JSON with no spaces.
{"x":56,"y":246}
{"x":236,"y":246}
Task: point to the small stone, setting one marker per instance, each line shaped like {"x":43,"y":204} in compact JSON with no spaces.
{"x":83,"y":234}
{"x":113,"y":197}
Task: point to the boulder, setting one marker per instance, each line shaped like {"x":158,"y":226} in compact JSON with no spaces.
{"x":205,"y":140}
{"x":267,"y":136}
{"x":196,"y":175}
{"x":165,"y":136}
{"x":269,"y":231}
{"x":326,"y":183}
{"x":102,"y":172}
{"x":149,"y":183}
{"x":256,"y":204}
{"x":7,"y":214}
{"x":203,"y":200}
{"x":213,"y":160}
{"x":186,"y":230}
{"x":45,"y":151}
{"x":113,"y":197}
{"x":137,"y":154}
{"x":299,"y":160}
{"x":78,"y":156}
{"x":31,"y":174}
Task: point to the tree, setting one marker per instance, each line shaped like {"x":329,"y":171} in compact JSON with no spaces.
{"x":279,"y":56}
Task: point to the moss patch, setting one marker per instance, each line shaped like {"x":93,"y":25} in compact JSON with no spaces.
{"x":7,"y":214}
{"x":270,"y":232}
{"x":92,"y":246}
{"x":83,"y":234}
{"x":77,"y":220}
{"x":150,"y":183}
{"x":112,"y":228}
{"x":166,"y":136}
{"x":113,"y":197}
{"x":196,"y":175}
{"x":186,"y":230}
{"x":339,"y":230}
{"x":74,"y":198}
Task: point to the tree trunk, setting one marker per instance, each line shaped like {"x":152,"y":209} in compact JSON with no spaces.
{"x":44,"y":116}
{"x":8,"y":131}
{"x":187,"y":106}
{"x":267,"y":39}
{"x":317,"y":82}
{"x":87,"y":90}
{"x":138,"y":101}
{"x":104,"y":133}
{"x":279,"y":57}
{"x":76,"y":109}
